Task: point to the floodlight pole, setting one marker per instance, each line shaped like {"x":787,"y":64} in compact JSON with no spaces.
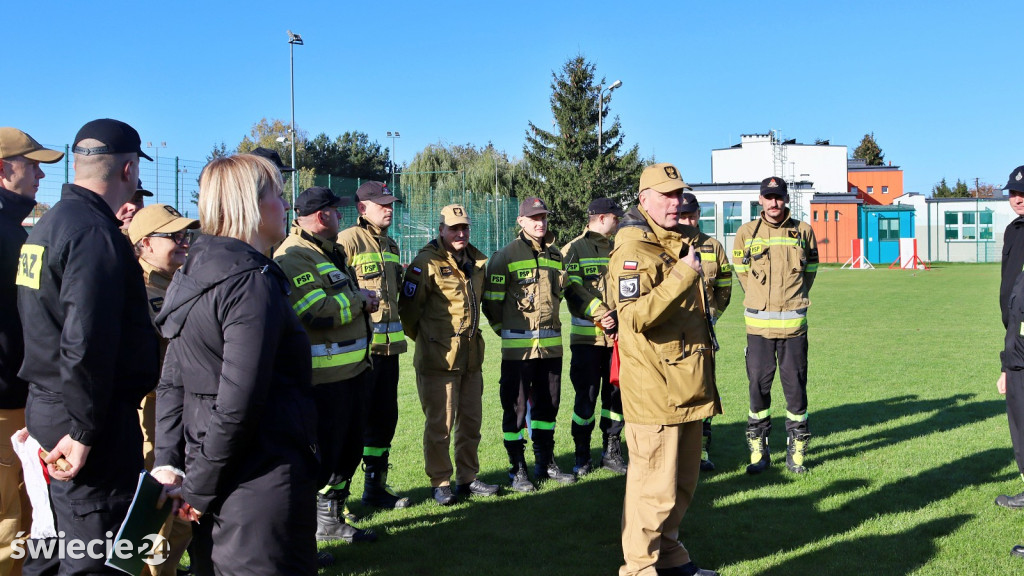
{"x":600,"y":112}
{"x":156,"y":150}
{"x":393,"y":135}
{"x":293,"y":39}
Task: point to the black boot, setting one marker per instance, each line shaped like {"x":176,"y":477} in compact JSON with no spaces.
{"x":760,"y":456}
{"x":583,"y":465}
{"x":1015,"y":502}
{"x":547,"y":469}
{"x":376,"y":491}
{"x":519,"y":478}
{"x":611,"y":457}
{"x":796,"y":449}
{"x":330,"y":521}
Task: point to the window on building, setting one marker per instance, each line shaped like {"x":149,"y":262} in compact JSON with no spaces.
{"x":853,"y":190}
{"x":888,"y":228}
{"x":755,"y":210}
{"x":815,"y":215}
{"x":732,"y":217}
{"x":826,"y":215}
{"x":837,"y":216}
{"x":871,"y":189}
{"x":707,"y":219}
{"x":885,"y":189}
{"x":968,"y":226}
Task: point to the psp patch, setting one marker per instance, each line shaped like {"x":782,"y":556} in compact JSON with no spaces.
{"x":409,"y":288}
{"x":497,"y":278}
{"x":629,"y":287}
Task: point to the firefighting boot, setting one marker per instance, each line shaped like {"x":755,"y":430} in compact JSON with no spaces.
{"x":796,"y":448}
{"x":376,"y":491}
{"x":611,"y":457}
{"x":760,"y":457}
{"x":547,"y":469}
{"x":583,"y":465}
{"x":706,"y":465}
{"x":519,"y":478}
{"x":330,"y":520}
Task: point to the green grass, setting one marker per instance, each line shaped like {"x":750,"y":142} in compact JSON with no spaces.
{"x":910,"y":448}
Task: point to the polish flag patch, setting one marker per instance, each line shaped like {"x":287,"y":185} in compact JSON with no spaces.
{"x":630,"y":265}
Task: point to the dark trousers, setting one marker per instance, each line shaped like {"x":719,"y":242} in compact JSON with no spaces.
{"x":97,"y":499}
{"x":381,"y":414}
{"x":1015,"y":414}
{"x":535,"y":385}
{"x":589,"y":371}
{"x":790,"y":355}
{"x":339,"y":430}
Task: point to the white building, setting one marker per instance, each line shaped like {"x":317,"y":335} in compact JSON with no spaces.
{"x":726,"y":207}
{"x":959,"y":229}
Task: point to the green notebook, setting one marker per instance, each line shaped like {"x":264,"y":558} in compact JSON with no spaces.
{"x":140,"y":530}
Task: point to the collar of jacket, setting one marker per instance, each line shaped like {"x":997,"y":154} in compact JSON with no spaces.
{"x":782,"y":223}
{"x":638,"y":219}
{"x":600,"y":239}
{"x":153,"y":276}
{"x":15,"y":207}
{"x":369,"y":227}
{"x":78,"y":193}
{"x":538,"y":247}
{"x":322,"y":243}
{"x":470,"y":254}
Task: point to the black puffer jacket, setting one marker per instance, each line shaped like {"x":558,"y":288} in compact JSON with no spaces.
{"x":236,"y":384}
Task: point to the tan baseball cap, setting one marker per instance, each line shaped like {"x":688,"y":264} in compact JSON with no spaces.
{"x":663,"y":178}
{"x":14,"y":142}
{"x":453,"y":214}
{"x":158,"y":218}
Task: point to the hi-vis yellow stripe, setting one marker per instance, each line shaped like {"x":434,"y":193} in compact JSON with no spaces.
{"x":775,"y":322}
{"x":529,"y":342}
{"x":775,"y":241}
{"x":367,"y":257}
{"x":30,"y":264}
{"x":541,"y":262}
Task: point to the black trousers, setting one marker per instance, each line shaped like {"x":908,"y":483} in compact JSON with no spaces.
{"x":97,"y":499}
{"x":381,"y":413}
{"x":790,"y":355}
{"x":536,"y":385}
{"x":340,"y":425}
{"x":1015,"y":414}
{"x":589,"y":371}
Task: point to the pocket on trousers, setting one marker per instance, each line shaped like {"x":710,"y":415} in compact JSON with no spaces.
{"x":86,"y":510}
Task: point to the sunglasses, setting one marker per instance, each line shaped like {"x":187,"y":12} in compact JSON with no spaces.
{"x":179,"y":238}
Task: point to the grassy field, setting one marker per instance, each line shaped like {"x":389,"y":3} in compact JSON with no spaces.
{"x":910,"y":448}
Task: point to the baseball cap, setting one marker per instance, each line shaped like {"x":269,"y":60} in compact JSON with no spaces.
{"x":274,"y":158}
{"x":774,"y":186}
{"x":663,"y":178}
{"x":116,"y":136}
{"x":315,"y":199}
{"x":688,"y":203}
{"x":143,"y":191}
{"x":1016,"y":181}
{"x":158,"y":218}
{"x":14,"y":142}
{"x":376,"y":192}
{"x":605,"y":206}
{"x":532,"y":206}
{"x":453,"y":214}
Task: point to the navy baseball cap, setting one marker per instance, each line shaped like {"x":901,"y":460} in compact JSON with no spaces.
{"x":315,"y":199}
{"x":688,"y":203}
{"x":274,"y":158}
{"x":376,"y":192}
{"x":605,"y":206}
{"x":1016,"y":181}
{"x":143,"y":191}
{"x":774,"y":186}
{"x":116,"y":136}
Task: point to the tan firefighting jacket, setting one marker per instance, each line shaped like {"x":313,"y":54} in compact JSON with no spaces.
{"x":440,"y":309}
{"x":374,"y":257}
{"x":776,"y":266}
{"x":716,"y":267}
{"x":522,"y":297}
{"x":586,"y":261}
{"x":327,"y":300}
{"x":667,"y":373}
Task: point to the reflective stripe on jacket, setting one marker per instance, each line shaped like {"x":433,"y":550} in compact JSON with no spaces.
{"x":586,"y":262}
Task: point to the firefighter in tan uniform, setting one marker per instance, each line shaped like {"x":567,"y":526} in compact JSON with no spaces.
{"x":374,"y":257}
{"x":334,"y":312}
{"x":717,"y":273}
{"x":440,"y":310}
{"x":160,"y":236}
{"x":666,"y":349}
{"x":776,"y":260}
{"x":522,"y":297}
{"x":590,"y":338}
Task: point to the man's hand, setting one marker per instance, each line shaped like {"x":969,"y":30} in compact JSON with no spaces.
{"x":692,"y":260}
{"x":371,"y":300}
{"x":607,"y":321}
{"x":1001,"y":383}
{"x":73,"y":451}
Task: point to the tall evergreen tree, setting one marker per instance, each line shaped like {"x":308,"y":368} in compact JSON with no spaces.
{"x":565,"y":166}
{"x":869,"y":151}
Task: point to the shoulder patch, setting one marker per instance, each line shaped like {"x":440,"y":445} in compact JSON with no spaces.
{"x":446,"y":270}
{"x":666,"y":258}
{"x":156,"y":303}
{"x":794,"y":233}
{"x":415,"y":269}
{"x":335,"y":277}
{"x":409,"y":288}
{"x":630,"y":265}
{"x":706,"y":248}
{"x":629,"y":287}
{"x":304,"y":278}
{"x":30,"y":264}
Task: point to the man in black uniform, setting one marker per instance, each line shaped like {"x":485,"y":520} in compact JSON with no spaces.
{"x":1011,"y":380}
{"x":90,"y":349}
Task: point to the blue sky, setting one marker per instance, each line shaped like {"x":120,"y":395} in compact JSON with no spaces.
{"x":939,"y":83}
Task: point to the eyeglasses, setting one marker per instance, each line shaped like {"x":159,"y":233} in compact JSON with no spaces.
{"x":179,"y":238}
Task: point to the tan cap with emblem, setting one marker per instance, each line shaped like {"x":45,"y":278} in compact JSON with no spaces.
{"x":453,"y":214}
{"x":158,"y":218}
{"x":663,"y":178}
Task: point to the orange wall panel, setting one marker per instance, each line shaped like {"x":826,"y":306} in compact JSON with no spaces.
{"x":833,"y":236}
{"x":877,"y":179}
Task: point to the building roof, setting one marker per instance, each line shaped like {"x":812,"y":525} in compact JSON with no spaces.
{"x":889,"y":208}
{"x":756,"y":186}
{"x":860,"y":165}
{"x":837,"y":198}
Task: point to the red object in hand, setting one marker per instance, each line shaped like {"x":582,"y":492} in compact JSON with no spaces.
{"x":614,"y":376}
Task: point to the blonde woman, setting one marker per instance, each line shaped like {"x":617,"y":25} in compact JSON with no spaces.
{"x":236,"y":421}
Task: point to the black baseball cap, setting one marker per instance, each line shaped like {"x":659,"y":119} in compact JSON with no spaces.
{"x":315,"y":199}
{"x":688,"y":203}
{"x":143,"y":191}
{"x":376,"y":192}
{"x":1016,"y":181}
{"x":274,"y":158}
{"x":116,"y":136}
{"x":774,"y":186}
{"x":605,"y":206}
